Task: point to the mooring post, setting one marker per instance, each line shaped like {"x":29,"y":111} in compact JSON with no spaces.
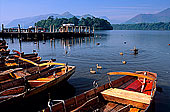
{"x":67,"y":29}
{"x":35,"y":30}
{"x":53,"y":29}
{"x":72,"y":29}
{"x":2,"y":28}
{"x":86,"y":29}
{"x":50,"y":28}
{"x":79,"y":30}
{"x":93,"y":29}
{"x":19,"y":29}
{"x":89,"y":29}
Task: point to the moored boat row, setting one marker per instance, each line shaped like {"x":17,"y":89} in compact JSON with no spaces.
{"x":25,"y":75}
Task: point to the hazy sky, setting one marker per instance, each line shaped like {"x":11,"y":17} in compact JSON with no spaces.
{"x":121,"y":10}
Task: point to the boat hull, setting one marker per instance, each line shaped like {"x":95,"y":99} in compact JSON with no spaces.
{"x":36,"y":90}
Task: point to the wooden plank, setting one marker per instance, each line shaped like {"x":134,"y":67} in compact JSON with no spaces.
{"x":70,"y":104}
{"x":109,"y":107}
{"x":127,"y":84}
{"x":59,"y":107}
{"x":80,"y":99}
{"x":119,"y":82}
{"x":136,"y":99}
{"x":90,"y":94}
{"x":85,"y":106}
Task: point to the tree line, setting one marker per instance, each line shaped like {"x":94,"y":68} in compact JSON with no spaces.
{"x":97,"y":23}
{"x":142,"y":26}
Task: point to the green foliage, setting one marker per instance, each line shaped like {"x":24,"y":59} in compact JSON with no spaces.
{"x":142,"y":26}
{"x":97,"y":23}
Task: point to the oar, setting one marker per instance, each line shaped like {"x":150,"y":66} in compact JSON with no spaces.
{"x":131,"y":74}
{"x":48,"y":63}
{"x":29,"y":61}
{"x":39,"y":65}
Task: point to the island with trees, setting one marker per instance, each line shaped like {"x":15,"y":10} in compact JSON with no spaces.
{"x":97,"y":23}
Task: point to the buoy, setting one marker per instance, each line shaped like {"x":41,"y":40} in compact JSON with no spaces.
{"x":121,"y":53}
{"x":98,"y":67}
{"x":168,"y":44}
{"x":124,"y":62}
{"x":124,"y":42}
{"x":98,"y":43}
{"x":92,"y":71}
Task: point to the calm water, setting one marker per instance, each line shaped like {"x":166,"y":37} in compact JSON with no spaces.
{"x":154,"y":55}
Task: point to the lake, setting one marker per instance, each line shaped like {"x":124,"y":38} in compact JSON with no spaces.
{"x":84,"y":53}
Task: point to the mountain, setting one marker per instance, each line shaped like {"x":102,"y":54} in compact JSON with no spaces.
{"x":66,"y":15}
{"x":30,"y":21}
{"x":163,"y":16}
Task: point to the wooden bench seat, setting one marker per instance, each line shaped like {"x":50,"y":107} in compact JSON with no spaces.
{"x":137,"y":99}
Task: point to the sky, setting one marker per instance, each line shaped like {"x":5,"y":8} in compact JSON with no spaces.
{"x":118,"y":10}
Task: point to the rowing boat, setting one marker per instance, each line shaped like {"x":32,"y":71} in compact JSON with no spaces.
{"x":4,"y":47}
{"x":131,"y":93}
{"x":2,"y":42}
{"x":15,"y":74}
{"x":30,"y":86}
{"x":4,"y":52}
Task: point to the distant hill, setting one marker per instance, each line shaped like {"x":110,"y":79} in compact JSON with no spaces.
{"x":30,"y":21}
{"x":163,"y":16}
{"x":142,"y":26}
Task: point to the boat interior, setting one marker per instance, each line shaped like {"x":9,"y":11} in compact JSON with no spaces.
{"x":126,"y":94}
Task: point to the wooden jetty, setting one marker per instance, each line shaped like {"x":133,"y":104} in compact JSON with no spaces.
{"x":65,"y":31}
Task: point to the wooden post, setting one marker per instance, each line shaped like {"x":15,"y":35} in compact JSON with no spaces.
{"x":2,"y":28}
{"x":19,"y":29}
{"x":53,"y":29}
{"x":50,"y":28}
{"x":35,"y":29}
{"x":86,"y":29}
{"x":72,"y":29}
{"x":75,"y":29}
{"x":66,"y":28}
{"x":79,"y":30}
{"x":89,"y":29}
{"x":93,"y":29}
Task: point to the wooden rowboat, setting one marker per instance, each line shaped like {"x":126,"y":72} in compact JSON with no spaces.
{"x":4,"y":47}
{"x":2,"y":42}
{"x":14,"y":74}
{"x":131,"y":93}
{"x":4,"y":52}
{"x":30,"y":86}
